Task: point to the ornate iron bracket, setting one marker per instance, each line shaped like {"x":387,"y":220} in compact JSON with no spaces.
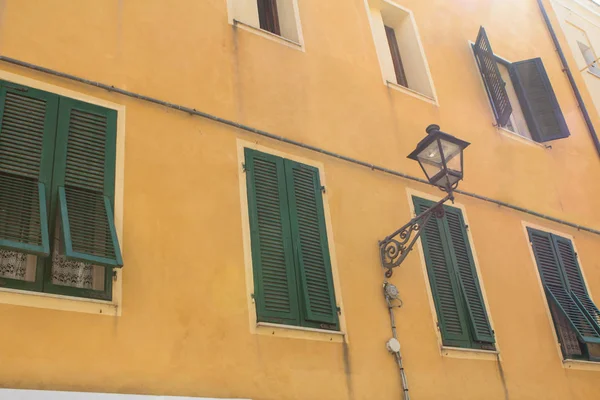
{"x":395,"y":247}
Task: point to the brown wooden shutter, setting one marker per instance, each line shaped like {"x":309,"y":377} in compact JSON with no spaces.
{"x":494,"y":84}
{"x":396,"y":59}
{"x":538,"y":101}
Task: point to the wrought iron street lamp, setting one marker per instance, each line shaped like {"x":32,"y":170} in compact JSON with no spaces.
{"x":440,"y":155}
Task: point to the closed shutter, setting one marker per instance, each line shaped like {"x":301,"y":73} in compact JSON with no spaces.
{"x":268,"y":16}
{"x":84,"y":180}
{"x":556,"y":289}
{"x":570,"y":265}
{"x":272,"y":255}
{"x":495,"y":85}
{"x":538,"y":101}
{"x":467,"y":274}
{"x":443,"y":280}
{"x":310,"y":244}
{"x":27,"y":132}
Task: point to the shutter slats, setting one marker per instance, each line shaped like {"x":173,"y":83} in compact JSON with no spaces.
{"x":556,"y":287}
{"x":482,"y":330}
{"x":494,"y":83}
{"x":271,"y":242}
{"x":452,"y":322}
{"x":85,"y":195}
{"x":540,"y":105}
{"x":568,"y":260}
{"x":310,"y":237}
{"x":27,"y":126}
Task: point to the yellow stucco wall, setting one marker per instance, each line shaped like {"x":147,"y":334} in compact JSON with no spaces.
{"x":183,"y":328}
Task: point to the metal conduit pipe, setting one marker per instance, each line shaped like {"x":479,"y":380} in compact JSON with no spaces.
{"x":193,"y":111}
{"x":567,"y":70}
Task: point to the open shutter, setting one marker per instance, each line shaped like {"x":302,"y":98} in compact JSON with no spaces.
{"x":495,"y":85}
{"x":538,"y":101}
{"x":444,"y":287}
{"x":84,"y":179}
{"x":310,"y":244}
{"x":27,"y":132}
{"x":272,"y":254}
{"x":467,"y":276}
{"x":570,"y":265}
{"x":556,"y":289}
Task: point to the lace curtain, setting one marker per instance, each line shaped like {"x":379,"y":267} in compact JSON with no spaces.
{"x":15,"y":265}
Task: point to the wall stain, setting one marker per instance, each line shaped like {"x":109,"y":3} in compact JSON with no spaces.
{"x":347,"y":369}
{"x":502,"y":378}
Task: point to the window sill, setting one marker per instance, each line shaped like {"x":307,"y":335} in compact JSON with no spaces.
{"x":515,"y":136}
{"x":593,"y":74}
{"x":581,"y":365}
{"x":57,"y":302}
{"x":470,"y":354}
{"x":411,"y":92}
{"x":269,"y":35}
{"x":299,"y":332}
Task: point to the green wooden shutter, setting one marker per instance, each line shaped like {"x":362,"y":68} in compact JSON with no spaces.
{"x":495,"y":85}
{"x":272,"y":255}
{"x":84,"y":181}
{"x":556,"y":289}
{"x":467,"y":274}
{"x":570,"y":265}
{"x":538,"y":101}
{"x":443,"y":280}
{"x":311,"y":248}
{"x":27,"y":132}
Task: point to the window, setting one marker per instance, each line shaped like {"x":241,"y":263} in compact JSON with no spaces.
{"x":57,"y":167}
{"x":399,"y":49}
{"x":461,"y":311}
{"x":292,"y":271}
{"x":576,"y":318}
{"x":522,"y":100}
{"x":279,"y":17}
{"x":591,"y":61}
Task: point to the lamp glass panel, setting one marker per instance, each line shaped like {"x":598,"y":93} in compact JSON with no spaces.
{"x":431,"y":160}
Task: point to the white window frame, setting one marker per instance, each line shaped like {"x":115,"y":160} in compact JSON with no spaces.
{"x":373,"y":8}
{"x":243,"y":14}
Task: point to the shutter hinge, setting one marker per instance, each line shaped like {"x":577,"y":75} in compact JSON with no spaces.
{"x":253,"y":297}
{"x":244,"y":169}
{"x":466,"y":227}
{"x":339,"y":310}
{"x":323,"y":189}
{"x":114,"y":275}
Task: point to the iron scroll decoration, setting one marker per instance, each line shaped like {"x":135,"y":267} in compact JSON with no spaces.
{"x":395,"y":247}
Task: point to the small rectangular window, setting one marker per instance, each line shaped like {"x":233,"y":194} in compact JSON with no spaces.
{"x":401,"y":56}
{"x":591,"y":61}
{"x":279,"y":17}
{"x":293,"y":282}
{"x":57,"y":166}
{"x":461,"y":311}
{"x":576,"y":317}
{"x":525,"y":95}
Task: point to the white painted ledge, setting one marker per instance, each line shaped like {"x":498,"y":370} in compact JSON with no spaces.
{"x":18,"y":394}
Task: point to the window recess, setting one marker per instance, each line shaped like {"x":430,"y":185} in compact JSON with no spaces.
{"x":523,"y":100}
{"x":57,"y":166}
{"x":576,"y":317}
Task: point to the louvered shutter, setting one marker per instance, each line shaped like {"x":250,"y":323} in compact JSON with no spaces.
{"x":570,"y":265}
{"x":555,"y":286}
{"x":495,"y":85}
{"x":538,"y":101}
{"x":84,"y":179}
{"x":467,"y":274}
{"x":443,"y":280}
{"x":27,"y":132}
{"x":311,"y":249}
{"x":272,"y":255}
